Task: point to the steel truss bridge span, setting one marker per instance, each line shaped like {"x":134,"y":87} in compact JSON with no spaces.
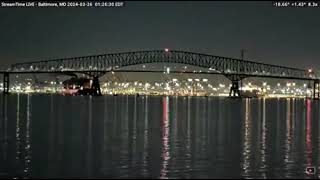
{"x":97,"y":65}
{"x":104,"y":62}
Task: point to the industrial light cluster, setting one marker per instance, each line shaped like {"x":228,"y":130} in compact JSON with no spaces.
{"x":187,"y":87}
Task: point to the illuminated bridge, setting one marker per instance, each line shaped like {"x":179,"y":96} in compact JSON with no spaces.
{"x":97,"y":65}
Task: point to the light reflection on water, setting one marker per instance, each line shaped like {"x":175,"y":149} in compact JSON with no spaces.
{"x":158,"y":137}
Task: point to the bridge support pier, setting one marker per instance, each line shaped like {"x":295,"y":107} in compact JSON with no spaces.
{"x":6,"y":83}
{"x":95,"y":87}
{"x":236,"y":80}
{"x":316,"y":89}
{"x":234,"y":89}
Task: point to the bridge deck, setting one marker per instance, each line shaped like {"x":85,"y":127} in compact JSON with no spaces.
{"x":171,"y":72}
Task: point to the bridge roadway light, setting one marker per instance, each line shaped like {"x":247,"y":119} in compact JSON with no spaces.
{"x":166,"y":50}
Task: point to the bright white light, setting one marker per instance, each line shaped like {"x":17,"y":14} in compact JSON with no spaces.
{"x":190,"y":80}
{"x":264,"y":84}
{"x":174,"y":80}
{"x":166,"y":50}
{"x":249,"y":83}
{"x":205,"y":80}
{"x":304,"y":85}
{"x":168,"y":70}
{"x":278,"y":84}
{"x":197,"y":79}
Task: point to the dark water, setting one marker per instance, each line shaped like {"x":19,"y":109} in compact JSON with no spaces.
{"x":158,"y":137}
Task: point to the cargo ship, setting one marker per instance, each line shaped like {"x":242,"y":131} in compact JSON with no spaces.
{"x":77,"y":86}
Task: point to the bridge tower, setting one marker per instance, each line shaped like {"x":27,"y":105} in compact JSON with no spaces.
{"x":235,"y":87}
{"x":6,"y":83}
{"x":316,"y":89}
{"x":95,"y":87}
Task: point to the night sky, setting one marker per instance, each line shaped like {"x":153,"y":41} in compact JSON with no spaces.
{"x":283,"y":36}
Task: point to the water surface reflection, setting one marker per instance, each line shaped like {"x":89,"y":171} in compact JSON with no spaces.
{"x":157,"y":137}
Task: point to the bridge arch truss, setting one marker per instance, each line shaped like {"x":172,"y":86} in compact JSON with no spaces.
{"x":107,"y":62}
